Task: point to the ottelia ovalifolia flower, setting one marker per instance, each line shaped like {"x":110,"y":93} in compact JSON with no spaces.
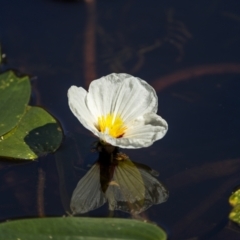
{"x":120,"y":109}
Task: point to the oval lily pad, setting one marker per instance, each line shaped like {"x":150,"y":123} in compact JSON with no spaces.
{"x":38,"y":133}
{"x":14,"y":97}
{"x":80,"y":228}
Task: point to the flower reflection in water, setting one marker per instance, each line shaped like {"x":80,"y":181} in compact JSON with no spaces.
{"x":126,"y":185}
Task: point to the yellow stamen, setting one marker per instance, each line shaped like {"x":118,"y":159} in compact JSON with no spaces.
{"x":111,"y":124}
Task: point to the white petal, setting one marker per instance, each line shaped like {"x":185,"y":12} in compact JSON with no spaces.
{"x":140,"y":100}
{"x":77,"y":104}
{"x":144,"y":131}
{"x":121,"y":94}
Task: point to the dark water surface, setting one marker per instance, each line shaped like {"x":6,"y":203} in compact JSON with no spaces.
{"x":188,"y":50}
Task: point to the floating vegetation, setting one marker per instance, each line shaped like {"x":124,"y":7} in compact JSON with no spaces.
{"x":26,"y":132}
{"x":80,"y":228}
{"x":234,"y":200}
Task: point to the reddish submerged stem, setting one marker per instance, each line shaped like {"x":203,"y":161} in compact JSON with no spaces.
{"x":89,"y":45}
{"x":191,"y":73}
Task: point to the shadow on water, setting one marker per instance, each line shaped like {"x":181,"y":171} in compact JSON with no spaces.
{"x":36,"y":139}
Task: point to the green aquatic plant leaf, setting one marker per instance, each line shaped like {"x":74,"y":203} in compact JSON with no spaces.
{"x":235,"y":214}
{"x":72,"y":228}
{"x":235,"y":198}
{"x":38,"y":133}
{"x":14,"y":97}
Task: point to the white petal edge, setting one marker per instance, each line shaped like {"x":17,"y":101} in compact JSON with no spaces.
{"x":77,"y":103}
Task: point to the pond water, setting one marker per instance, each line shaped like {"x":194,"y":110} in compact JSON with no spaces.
{"x":188,"y":50}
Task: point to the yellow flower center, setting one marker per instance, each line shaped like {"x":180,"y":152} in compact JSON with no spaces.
{"x":113,"y":125}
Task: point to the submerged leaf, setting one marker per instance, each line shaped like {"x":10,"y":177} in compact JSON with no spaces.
{"x":80,"y":228}
{"x":14,"y":96}
{"x":38,"y":133}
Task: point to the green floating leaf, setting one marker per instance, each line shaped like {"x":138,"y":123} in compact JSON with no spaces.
{"x":235,"y":214}
{"x":14,"y":97}
{"x":38,"y":133}
{"x":235,"y":198}
{"x":80,"y":228}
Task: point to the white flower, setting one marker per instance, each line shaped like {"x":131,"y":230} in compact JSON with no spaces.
{"x":120,"y":109}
